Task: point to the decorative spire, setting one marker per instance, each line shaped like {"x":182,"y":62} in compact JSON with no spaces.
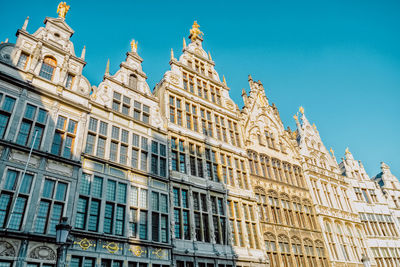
{"x":184,"y":43}
{"x":108,"y":67}
{"x":301,"y":109}
{"x":25,"y":23}
{"x":83,"y":52}
{"x":134,"y":46}
{"x":209,"y":56}
{"x":314,"y":126}
{"x":295,"y":117}
{"x":195,"y":33}
{"x":250,"y":78}
{"x":332,"y":151}
{"x":347,"y":151}
{"x":223,"y":80}
{"x":244,"y":92}
{"x":62,"y":9}
{"x":172,"y":54}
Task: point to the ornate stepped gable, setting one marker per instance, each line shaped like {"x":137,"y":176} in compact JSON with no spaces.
{"x":278,"y":184}
{"x":331,"y":192}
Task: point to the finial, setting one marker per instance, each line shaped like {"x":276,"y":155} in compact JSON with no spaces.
{"x":209,"y":56}
{"x":25,"y":23}
{"x":134,"y":46}
{"x":184,"y":43}
{"x":244,"y":92}
{"x":223,"y":79}
{"x":301,"y":109}
{"x":250,"y":78}
{"x":6,"y":41}
{"x":332,"y":151}
{"x":195,"y":33}
{"x":295,"y":117}
{"x":108,"y":67}
{"x":315,"y":127}
{"x":83,"y":52}
{"x":62,"y":9}
{"x":172,"y":54}
{"x":347,"y":151}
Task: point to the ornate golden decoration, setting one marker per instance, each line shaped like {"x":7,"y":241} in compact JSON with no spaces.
{"x":332,"y":151}
{"x":295,"y":117}
{"x":159,"y":253}
{"x":112,"y":247}
{"x":347,"y":151}
{"x":301,"y":109}
{"x":85,"y":244}
{"x":137,"y":251}
{"x":195,"y":32}
{"x":62,"y":9}
{"x":134,"y":45}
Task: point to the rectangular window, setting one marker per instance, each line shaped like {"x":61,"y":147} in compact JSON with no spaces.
{"x":23,"y":59}
{"x":64,"y":137}
{"x":13,"y":199}
{"x":69,"y":81}
{"x":7,"y":107}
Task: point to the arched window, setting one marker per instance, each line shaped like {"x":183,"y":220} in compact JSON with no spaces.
{"x":133,"y":81}
{"x":275,"y":207}
{"x":270,"y":246}
{"x":341,"y":241}
{"x":48,"y":66}
{"x":350,"y":236}
{"x":284,"y":250}
{"x":360,"y":241}
{"x":298,"y":212}
{"x":298,"y":252}
{"x":321,"y":253}
{"x":331,"y":240}
{"x":262,"y":204}
{"x":309,"y":214}
{"x":308,"y":245}
{"x":287,"y":209}
{"x":265,"y":166}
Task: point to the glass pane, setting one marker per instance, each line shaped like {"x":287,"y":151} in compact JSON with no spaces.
{"x":48,"y":188}
{"x":11,"y":180}
{"x":26,"y":184}
{"x":61,"y":191}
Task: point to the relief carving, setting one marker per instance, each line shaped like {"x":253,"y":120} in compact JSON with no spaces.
{"x":43,"y":253}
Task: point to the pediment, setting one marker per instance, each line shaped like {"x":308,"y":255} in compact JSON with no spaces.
{"x":59,"y":22}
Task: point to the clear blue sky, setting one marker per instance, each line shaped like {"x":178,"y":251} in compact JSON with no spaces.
{"x":339,"y":59}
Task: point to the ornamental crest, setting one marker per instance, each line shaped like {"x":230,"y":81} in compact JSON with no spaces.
{"x":85,"y":243}
{"x":43,"y":253}
{"x":112,"y":247}
{"x":137,"y":251}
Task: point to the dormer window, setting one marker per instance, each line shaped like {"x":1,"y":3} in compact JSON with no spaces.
{"x":133,"y":81}
{"x":47,"y":69}
{"x":23,"y":59}
{"x":70,"y":80}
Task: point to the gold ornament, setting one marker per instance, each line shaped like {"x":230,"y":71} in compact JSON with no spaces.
{"x":112,"y":247}
{"x":301,"y":109}
{"x":137,"y":251}
{"x":195,"y":32}
{"x":295,"y":117}
{"x":134,"y":45}
{"x":62,"y":9}
{"x":85,"y":244}
{"x":159,"y":253}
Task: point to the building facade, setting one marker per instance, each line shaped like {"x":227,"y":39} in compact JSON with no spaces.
{"x":178,"y":175}
{"x":340,"y":224}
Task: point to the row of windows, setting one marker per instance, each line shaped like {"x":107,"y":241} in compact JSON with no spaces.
{"x":378,"y":224}
{"x":347,"y":244}
{"x":104,"y":204}
{"x":363,"y":195}
{"x":284,"y":210}
{"x":242,"y":220}
{"x":203,"y":162}
{"x":272,"y":168}
{"x":46,"y":70}
{"x":201,"y":88}
{"x":206,"y":219}
{"x":14,"y":198}
{"x":386,"y":256}
{"x":334,"y":196}
{"x":282,"y":252}
{"x":125,"y":147}
{"x":33,"y":124}
{"x":123,"y":104}
{"x":203,"y":120}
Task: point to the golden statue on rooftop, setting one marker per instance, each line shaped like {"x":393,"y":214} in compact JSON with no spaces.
{"x":195,"y":32}
{"x":62,"y":9}
{"x":134,"y":45}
